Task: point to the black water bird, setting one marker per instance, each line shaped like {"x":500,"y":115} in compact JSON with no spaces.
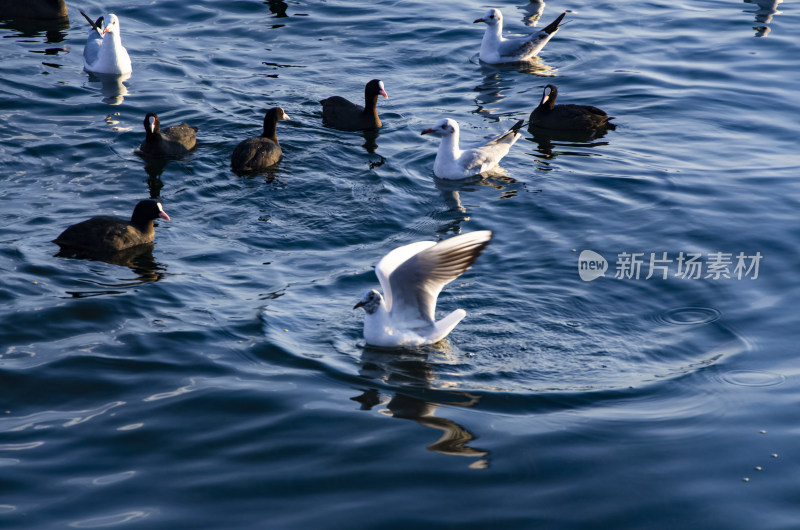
{"x":33,"y":9}
{"x":339,"y":113}
{"x":570,"y":117}
{"x":175,"y":140}
{"x":262,"y":151}
{"x":105,"y":234}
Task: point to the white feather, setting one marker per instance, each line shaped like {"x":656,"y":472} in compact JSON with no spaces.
{"x":106,"y":55}
{"x":496,"y":49}
{"x":412,"y":276}
{"x":452,"y":162}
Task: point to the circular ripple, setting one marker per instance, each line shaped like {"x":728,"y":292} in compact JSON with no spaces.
{"x":753,"y":378}
{"x":685,"y":316}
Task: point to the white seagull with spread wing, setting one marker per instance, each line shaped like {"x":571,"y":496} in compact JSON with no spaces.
{"x":412,"y":276}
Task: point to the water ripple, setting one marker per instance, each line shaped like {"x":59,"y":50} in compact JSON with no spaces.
{"x":687,"y":316}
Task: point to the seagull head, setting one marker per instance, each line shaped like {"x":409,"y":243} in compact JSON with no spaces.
{"x":443,"y":127}
{"x":370,"y":301}
{"x":491,"y":17}
{"x":113,"y":25}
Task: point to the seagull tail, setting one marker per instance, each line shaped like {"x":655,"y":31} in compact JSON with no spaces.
{"x":553,"y":26}
{"x":89,"y":20}
{"x":446,"y":325}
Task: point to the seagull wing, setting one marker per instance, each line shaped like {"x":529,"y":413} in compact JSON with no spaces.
{"x":391,"y":261}
{"x":485,"y":155}
{"x":529,"y":45}
{"x":97,"y":26}
{"x":92,"y":48}
{"x":94,"y":40}
{"x":416,"y":282}
{"x":518,"y":46}
{"x":507,"y":136}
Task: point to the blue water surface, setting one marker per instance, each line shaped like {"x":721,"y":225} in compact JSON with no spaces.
{"x":219,"y":379}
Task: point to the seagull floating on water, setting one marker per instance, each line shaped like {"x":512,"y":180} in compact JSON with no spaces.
{"x":454,"y":163}
{"x":105,"y":54}
{"x":412,"y":276}
{"x":496,"y":49}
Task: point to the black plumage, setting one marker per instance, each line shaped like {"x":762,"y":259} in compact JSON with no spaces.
{"x":339,"y":113}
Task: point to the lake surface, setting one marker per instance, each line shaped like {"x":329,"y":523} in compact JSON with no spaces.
{"x":220,"y":379}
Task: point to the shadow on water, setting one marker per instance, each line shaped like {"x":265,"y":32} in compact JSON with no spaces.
{"x":411,"y":371}
{"x":498,"y":78}
{"x":371,"y":142}
{"x":139,"y":259}
{"x":27,"y":27}
{"x":533,"y":66}
{"x":551,"y":144}
{"x":278,"y":8}
{"x":154,"y":167}
{"x":271,"y":175}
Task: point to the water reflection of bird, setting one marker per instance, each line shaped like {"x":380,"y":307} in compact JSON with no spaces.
{"x":154,"y":167}
{"x":138,"y":259}
{"x":278,"y":7}
{"x":111,"y":86}
{"x":407,"y":374}
{"x":371,"y":145}
{"x":765,"y":9}
{"x":451,"y":190}
{"x":501,"y":79}
{"x":764,"y":13}
{"x":533,"y":12}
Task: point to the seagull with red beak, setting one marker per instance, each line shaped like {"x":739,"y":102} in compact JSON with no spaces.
{"x":496,"y":49}
{"x":104,"y":52}
{"x":453,"y":163}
